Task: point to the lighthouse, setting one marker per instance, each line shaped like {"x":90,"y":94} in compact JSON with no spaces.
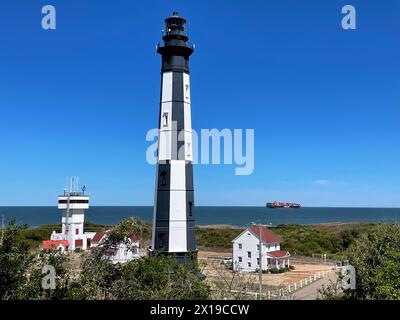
{"x":173,"y":218}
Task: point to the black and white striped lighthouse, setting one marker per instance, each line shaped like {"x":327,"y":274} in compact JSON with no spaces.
{"x":174,"y":221}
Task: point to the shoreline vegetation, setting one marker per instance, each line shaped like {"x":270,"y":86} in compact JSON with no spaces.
{"x":332,"y":239}
{"x":372,"y":249}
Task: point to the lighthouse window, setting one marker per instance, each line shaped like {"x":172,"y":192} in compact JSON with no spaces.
{"x":163,"y":176}
{"x":190,"y":208}
{"x":76,"y":231}
{"x":187,"y":91}
{"x":161,"y":238}
{"x":165,"y":119}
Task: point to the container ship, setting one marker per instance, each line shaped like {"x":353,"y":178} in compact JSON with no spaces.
{"x":277,"y":204}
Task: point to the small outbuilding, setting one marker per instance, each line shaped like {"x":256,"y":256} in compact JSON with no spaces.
{"x":61,"y":246}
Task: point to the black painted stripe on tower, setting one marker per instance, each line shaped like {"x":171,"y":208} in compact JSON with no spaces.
{"x":190,"y":208}
{"x":189,"y":176}
{"x":161,"y":241}
{"x":178,"y":115}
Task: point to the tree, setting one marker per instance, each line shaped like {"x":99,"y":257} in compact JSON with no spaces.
{"x":15,"y":259}
{"x":147,"y":278}
{"x":376,"y":258}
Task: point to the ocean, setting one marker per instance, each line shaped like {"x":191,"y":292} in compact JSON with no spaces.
{"x":237,"y":216}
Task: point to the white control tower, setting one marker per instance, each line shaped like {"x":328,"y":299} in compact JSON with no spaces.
{"x":73,"y":204}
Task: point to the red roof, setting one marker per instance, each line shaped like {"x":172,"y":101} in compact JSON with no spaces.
{"x":52,"y":244}
{"x":279,"y":253}
{"x":134,"y":237}
{"x":98,"y":236}
{"x":267,"y":236}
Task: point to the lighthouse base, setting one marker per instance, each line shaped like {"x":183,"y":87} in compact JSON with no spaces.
{"x":189,"y":257}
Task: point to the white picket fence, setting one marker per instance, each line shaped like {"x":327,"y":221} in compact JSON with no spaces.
{"x":292,"y":288}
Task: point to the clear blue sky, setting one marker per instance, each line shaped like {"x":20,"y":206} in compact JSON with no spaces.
{"x":324,"y":102}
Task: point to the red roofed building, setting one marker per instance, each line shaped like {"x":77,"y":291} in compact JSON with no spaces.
{"x":120,"y":252}
{"x":98,"y":237}
{"x":246,"y":250}
{"x":60,"y":245}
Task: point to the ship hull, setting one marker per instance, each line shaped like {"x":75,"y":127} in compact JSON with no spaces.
{"x":280,"y":205}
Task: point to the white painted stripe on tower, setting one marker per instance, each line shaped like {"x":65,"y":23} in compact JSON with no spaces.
{"x":177,"y":205}
{"x":178,"y":175}
{"x":177,"y":236}
{"x":187,"y":116}
{"x":166,"y":87}
{"x":164,"y":145}
{"x":177,"y":221}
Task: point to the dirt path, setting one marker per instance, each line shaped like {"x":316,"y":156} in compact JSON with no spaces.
{"x":311,"y":291}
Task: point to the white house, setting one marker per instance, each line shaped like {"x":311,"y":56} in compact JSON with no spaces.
{"x":246,"y":250}
{"x":119,"y":253}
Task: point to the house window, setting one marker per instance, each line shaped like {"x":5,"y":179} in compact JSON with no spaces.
{"x":240,"y":245}
{"x":249,"y":264}
{"x":258,"y":247}
{"x":249,"y":234}
{"x":276,"y":245}
{"x":248,"y":254}
{"x":258,"y":261}
{"x":269,"y":247}
{"x":76,"y":231}
{"x":240,"y":259}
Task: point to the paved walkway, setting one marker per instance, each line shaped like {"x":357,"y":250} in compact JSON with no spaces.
{"x":311,"y":291}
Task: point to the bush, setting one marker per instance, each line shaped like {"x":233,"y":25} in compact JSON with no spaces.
{"x":281,"y":270}
{"x":376,"y":258}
